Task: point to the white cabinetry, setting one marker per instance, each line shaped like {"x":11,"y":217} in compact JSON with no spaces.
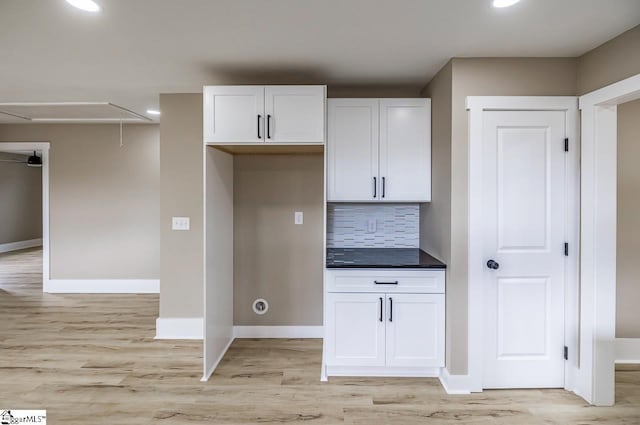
{"x":398,"y":330}
{"x":264,"y":114}
{"x":379,"y":150}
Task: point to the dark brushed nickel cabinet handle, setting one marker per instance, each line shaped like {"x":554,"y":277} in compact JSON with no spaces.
{"x":391,"y":309}
{"x":377,"y":282}
{"x":259,"y":118}
{"x":375,"y":187}
{"x":268,"y":126}
{"x":381,"y":309}
{"x":384,"y":186}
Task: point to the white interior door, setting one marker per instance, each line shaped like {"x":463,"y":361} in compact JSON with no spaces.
{"x":234,"y":114}
{"x":352,"y":150}
{"x":415,"y":323}
{"x":295,"y":114}
{"x":524,"y":234}
{"x":405,"y":150}
{"x":356,"y":326}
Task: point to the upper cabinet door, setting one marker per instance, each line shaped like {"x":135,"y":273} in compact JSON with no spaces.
{"x":295,"y":114}
{"x":234,"y":114}
{"x":352,"y":150}
{"x":405,"y":150}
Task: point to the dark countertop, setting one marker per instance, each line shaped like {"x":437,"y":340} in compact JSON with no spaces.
{"x":381,"y":258}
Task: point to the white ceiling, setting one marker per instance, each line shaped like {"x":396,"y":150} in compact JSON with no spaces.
{"x":136,"y":49}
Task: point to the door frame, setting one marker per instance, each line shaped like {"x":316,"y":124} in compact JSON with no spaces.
{"x":43,"y":147}
{"x":599,"y":238}
{"x":477,"y":105}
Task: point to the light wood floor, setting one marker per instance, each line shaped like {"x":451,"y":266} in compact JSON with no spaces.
{"x":92,"y":359}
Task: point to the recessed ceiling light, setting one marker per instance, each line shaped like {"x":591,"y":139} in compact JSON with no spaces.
{"x":504,"y":3}
{"x":153,"y":112}
{"x":86,"y":5}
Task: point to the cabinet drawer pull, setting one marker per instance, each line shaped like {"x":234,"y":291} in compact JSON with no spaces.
{"x":259,"y":118}
{"x":375,"y":187}
{"x":391,"y":309}
{"x":268,"y":126}
{"x":377,"y":282}
{"x":381,"y":309}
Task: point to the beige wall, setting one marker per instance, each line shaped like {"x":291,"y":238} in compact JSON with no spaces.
{"x":484,"y":77}
{"x":628,"y":267}
{"x":103,"y":198}
{"x":613,"y":61}
{"x":274,"y":258}
{"x":20,"y":200}
{"x":435,"y":217}
{"x":181,"y":181}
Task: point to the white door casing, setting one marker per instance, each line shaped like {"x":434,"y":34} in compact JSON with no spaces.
{"x":525,"y":199}
{"x":352,"y":150}
{"x":295,"y":114}
{"x":405,"y":150}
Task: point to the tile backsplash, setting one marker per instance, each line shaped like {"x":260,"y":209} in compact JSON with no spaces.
{"x":397,"y":225}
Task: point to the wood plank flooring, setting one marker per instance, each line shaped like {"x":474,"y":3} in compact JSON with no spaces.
{"x":92,"y":359}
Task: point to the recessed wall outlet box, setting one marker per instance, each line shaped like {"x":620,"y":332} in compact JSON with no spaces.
{"x":180,"y":223}
{"x":298,"y":217}
{"x":371,"y":225}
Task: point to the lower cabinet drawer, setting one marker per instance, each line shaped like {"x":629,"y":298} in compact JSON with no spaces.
{"x":387,"y":281}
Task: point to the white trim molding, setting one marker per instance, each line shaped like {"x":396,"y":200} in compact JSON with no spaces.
{"x":179,"y":328}
{"x":278,"y":332}
{"x":596,"y":381}
{"x":208,"y":373}
{"x":477,"y":105}
{"x":454,"y":384}
{"x":101,"y":286}
{"x":384,"y":371}
{"x":628,"y":350}
{"x":15,"y":246}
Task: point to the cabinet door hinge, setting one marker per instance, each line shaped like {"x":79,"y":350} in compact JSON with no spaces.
{"x":566,"y":144}
{"x":566,"y":352}
{"x":566,"y":249}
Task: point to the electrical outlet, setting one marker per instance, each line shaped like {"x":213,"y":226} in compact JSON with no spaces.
{"x":180,"y":223}
{"x":371,"y":225}
{"x":298,"y":217}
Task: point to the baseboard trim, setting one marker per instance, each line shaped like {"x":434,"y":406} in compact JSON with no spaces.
{"x":102,"y":286}
{"x":628,"y":350}
{"x":278,"y":331}
{"x":179,"y":328}
{"x":15,"y":246}
{"x":209,"y":372}
{"x":383,"y":371}
{"x":454,"y":384}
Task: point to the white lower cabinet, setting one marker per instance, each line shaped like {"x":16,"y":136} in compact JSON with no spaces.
{"x":387,"y":333}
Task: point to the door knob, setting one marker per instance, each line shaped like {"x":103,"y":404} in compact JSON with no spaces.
{"x":493,"y":265}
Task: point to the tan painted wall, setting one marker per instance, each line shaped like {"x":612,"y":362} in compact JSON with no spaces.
{"x":103,"y":198}
{"x":486,"y":77}
{"x":435,"y":217}
{"x":628,"y":266}
{"x":276,"y":259}
{"x":20,"y":200}
{"x":181,"y":181}
{"x":613,"y":61}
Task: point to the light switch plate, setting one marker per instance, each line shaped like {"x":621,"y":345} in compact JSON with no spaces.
{"x":298,"y":217}
{"x":180,"y":223}
{"x":371,"y":225}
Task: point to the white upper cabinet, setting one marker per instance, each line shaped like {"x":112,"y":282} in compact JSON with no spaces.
{"x":264,"y":114}
{"x":295,"y":114}
{"x":352,"y":149}
{"x":405,"y":149}
{"x":233,"y":114}
{"x":379,"y":150}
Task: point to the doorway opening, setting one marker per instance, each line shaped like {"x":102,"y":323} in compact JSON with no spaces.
{"x":24,"y":189}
